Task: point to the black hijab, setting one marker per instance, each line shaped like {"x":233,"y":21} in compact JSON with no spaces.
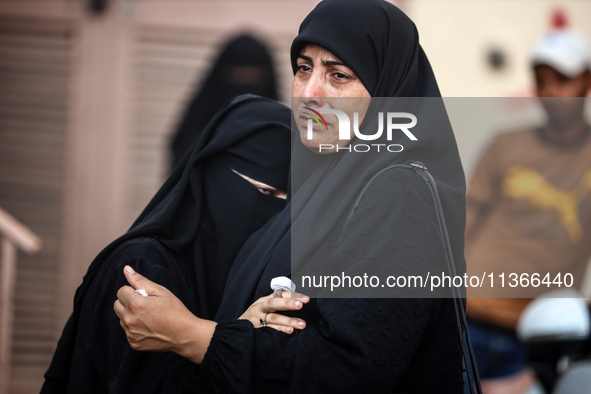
{"x":243,"y":66}
{"x":380,"y":44}
{"x":201,"y":215}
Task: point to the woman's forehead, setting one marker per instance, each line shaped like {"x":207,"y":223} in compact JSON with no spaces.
{"x":311,"y":48}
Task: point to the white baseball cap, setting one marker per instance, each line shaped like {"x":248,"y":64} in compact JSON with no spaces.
{"x":564,"y":50}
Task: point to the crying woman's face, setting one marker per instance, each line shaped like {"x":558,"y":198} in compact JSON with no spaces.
{"x":322,"y":81}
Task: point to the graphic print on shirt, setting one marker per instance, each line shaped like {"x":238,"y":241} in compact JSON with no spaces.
{"x":527,"y":184}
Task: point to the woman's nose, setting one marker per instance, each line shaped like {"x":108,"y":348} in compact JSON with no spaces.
{"x":314,"y":89}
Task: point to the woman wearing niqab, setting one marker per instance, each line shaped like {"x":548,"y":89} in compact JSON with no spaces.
{"x":244,"y":66}
{"x":187,"y":238}
{"x":345,"y":208}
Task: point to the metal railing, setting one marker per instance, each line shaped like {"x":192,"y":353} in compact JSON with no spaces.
{"x":13,"y":236}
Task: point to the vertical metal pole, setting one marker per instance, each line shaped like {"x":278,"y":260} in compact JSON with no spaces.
{"x":7,"y":278}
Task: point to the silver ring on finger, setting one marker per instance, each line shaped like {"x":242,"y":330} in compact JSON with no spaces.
{"x":264,"y":320}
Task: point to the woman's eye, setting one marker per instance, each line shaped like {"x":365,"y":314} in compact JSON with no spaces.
{"x":341,"y":76}
{"x":267,"y":192}
{"x":263,"y":188}
{"x":273,"y":192}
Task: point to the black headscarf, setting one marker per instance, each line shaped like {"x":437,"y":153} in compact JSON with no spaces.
{"x":201,"y":215}
{"x":387,"y":57}
{"x":376,"y":40}
{"x":243,"y":66}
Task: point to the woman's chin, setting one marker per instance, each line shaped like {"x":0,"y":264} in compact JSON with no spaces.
{"x":316,"y":145}
{"x":320,"y":144}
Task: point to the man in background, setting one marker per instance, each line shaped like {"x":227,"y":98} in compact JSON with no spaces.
{"x":529,"y":206}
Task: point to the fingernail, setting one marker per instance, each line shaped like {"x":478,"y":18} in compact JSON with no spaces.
{"x":301,"y":324}
{"x":129,"y":270}
{"x":305,"y":297}
{"x":298,"y":304}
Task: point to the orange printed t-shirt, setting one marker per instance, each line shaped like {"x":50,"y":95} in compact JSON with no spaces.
{"x":534,"y":199}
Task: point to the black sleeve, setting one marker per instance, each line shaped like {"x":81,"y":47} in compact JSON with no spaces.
{"x":131,"y":371}
{"x":99,"y":359}
{"x":357,"y":345}
{"x":360,"y":345}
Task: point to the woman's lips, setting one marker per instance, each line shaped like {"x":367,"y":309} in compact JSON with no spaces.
{"x":315,"y":126}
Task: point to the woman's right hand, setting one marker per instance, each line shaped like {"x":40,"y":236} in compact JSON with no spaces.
{"x":160,"y":322}
{"x":262,"y":312}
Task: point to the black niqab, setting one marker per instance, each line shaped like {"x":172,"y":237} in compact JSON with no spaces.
{"x":206,"y":207}
{"x":198,"y":219}
{"x":243,"y":66}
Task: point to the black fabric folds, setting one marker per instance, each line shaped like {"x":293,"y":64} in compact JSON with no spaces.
{"x":243,"y":66}
{"x":185,"y":239}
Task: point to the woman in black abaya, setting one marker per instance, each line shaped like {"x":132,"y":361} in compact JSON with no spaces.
{"x":345,"y":209}
{"x":187,"y":238}
{"x":243,"y":66}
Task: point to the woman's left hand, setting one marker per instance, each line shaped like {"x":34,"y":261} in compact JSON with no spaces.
{"x":160,"y":322}
{"x":262,"y":312}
